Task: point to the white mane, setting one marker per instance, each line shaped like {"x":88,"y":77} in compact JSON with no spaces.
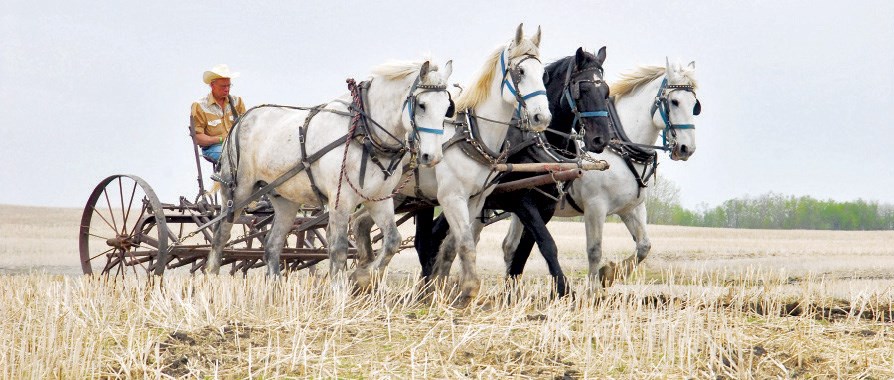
{"x":480,"y":87}
{"x":396,"y":70}
{"x":631,"y":81}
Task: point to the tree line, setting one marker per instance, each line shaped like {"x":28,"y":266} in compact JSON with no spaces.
{"x":768,"y":211}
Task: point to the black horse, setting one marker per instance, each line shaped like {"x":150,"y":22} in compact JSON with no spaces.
{"x":578,"y":101}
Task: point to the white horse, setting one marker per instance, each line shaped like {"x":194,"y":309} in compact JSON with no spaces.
{"x":404,"y":101}
{"x":509,"y":83}
{"x":651,"y":102}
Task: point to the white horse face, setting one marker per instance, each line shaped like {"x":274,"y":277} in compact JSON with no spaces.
{"x":530,"y":81}
{"x":431,"y":109}
{"x":682,"y":106}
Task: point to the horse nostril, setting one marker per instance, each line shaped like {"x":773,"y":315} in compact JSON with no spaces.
{"x":684,"y":149}
{"x":537,"y":118}
{"x":425,"y":157}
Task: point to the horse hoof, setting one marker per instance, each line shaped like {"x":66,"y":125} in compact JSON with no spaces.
{"x":462,"y":302}
{"x":608,"y":274}
{"x":362,"y":280}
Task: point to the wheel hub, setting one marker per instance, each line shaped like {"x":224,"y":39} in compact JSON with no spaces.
{"x":121,"y":242}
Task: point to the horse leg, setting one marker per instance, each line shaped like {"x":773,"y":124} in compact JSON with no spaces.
{"x":362,"y":227}
{"x":446,"y":247}
{"x":283,"y":220}
{"x":594,"y":222}
{"x":423,"y":241}
{"x":517,"y":246}
{"x":223,"y":229}
{"x":457,"y":211}
{"x":383,"y":214}
{"x":337,"y":236}
{"x":534,"y":223}
{"x":635,"y":220}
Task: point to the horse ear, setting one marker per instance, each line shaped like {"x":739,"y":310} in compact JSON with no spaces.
{"x":580,"y":58}
{"x":692,"y":65}
{"x":667,"y":63}
{"x":424,"y":70}
{"x":519,"y":34}
{"x":536,"y":38}
{"x":448,"y":69}
{"x":600,"y":56}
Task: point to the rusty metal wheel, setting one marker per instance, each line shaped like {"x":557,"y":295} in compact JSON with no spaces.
{"x":123,"y":229}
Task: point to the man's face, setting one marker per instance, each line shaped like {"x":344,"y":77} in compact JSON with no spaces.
{"x":220,"y":88}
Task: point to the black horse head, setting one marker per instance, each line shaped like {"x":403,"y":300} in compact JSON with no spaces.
{"x":578,"y":100}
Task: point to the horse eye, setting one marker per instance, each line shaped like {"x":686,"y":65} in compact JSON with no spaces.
{"x":422,"y":106}
{"x":675,"y":102}
{"x":521,"y":72}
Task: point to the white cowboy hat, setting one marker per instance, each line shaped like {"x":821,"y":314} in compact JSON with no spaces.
{"x":217,"y":72}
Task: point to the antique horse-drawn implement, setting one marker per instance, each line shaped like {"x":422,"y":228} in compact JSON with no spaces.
{"x":125,"y":227}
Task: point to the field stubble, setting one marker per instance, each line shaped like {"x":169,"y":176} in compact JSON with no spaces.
{"x":708,"y":303}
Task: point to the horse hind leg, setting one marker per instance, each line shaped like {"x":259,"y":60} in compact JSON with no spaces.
{"x":383,"y":214}
{"x":536,"y":226}
{"x":362,"y":227}
{"x":283,"y":221}
{"x":223,"y":230}
{"x":424,"y":241}
{"x":337,"y":236}
{"x":457,"y":212}
{"x":635,"y":220}
{"x":594,"y":221}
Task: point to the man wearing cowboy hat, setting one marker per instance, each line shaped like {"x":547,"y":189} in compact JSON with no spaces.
{"x":213,"y":115}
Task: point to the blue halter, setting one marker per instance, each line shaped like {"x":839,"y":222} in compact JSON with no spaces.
{"x":660,"y":106}
{"x":577,"y":114}
{"x":506,"y":84}
{"x":410,"y":105}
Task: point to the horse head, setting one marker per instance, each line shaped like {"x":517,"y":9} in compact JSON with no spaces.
{"x":522,"y":73}
{"x":427,"y":105}
{"x":586,"y":97}
{"x":678,"y":106}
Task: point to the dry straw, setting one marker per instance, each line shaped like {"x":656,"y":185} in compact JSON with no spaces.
{"x":657,"y":325}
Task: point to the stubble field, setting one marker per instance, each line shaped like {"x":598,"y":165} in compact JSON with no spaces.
{"x":708,"y":303}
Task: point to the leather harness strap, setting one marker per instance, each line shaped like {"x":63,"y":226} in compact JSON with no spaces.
{"x":302,"y":137}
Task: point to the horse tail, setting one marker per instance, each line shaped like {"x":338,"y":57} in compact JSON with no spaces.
{"x":214,"y":189}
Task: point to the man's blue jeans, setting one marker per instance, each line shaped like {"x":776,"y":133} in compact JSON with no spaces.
{"x":212,"y":152}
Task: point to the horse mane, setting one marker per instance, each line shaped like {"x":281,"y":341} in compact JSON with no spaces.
{"x":396,"y":70}
{"x":630,"y":81}
{"x":480,"y":89}
{"x":556,"y":67}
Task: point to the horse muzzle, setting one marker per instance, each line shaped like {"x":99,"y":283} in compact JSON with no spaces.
{"x":682,"y":152}
{"x":596,"y":144}
{"x":540,"y":121}
{"x":428,"y":160}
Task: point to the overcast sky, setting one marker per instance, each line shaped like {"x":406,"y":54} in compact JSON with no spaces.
{"x":798,"y":97}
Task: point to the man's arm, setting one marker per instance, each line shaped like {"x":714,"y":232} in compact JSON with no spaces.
{"x":199,"y":123}
{"x":204,"y":140}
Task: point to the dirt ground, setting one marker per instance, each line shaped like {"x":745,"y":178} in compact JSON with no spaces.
{"x":37,"y":239}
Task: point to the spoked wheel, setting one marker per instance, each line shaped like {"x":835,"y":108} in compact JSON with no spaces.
{"x":123,"y":229}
